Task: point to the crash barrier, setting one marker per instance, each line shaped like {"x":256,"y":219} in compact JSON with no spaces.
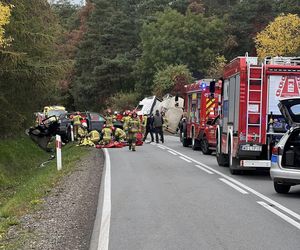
{"x":58,"y":152}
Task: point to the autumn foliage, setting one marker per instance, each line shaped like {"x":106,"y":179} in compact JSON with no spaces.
{"x":5,"y":12}
{"x":280,"y":38}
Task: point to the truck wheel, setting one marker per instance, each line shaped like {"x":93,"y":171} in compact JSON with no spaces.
{"x":281,"y":188}
{"x":222,"y":159}
{"x":205,"y":147}
{"x":233,"y":163}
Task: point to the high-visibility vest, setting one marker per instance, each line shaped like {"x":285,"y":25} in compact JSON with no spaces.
{"x":94,"y":135}
{"x":144,"y":122}
{"x":76,"y":119}
{"x":125,"y":121}
{"x":106,"y":133}
{"x":119,"y":133}
{"x":82,"y":131}
{"x":134,"y":125}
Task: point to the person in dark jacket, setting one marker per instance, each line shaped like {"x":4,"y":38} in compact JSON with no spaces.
{"x":158,"y":126}
{"x":149,"y":128}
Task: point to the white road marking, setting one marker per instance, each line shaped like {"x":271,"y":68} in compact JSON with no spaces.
{"x":267,"y":199}
{"x":106,"y":208}
{"x":280,"y":214}
{"x":159,"y":146}
{"x":183,"y":158}
{"x":171,"y":152}
{"x":233,"y":186}
{"x":204,"y":169}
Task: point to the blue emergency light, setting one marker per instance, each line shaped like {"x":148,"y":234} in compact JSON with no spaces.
{"x":203,"y":85}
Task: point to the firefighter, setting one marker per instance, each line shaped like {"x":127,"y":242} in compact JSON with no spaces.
{"x":133,"y":129}
{"x":125,"y":121}
{"x":144,"y":123}
{"x":76,"y":123}
{"x":106,"y":134}
{"x":119,"y":134}
{"x":94,"y":136}
{"x":149,"y":128}
{"x":109,"y":118}
{"x":82,"y":133}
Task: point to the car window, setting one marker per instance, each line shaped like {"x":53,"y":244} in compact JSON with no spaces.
{"x":96,"y":117}
{"x":296,"y":109}
{"x":139,"y":108}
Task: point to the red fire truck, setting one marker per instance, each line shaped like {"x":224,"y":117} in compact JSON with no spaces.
{"x":251,"y":122}
{"x":202,"y":106}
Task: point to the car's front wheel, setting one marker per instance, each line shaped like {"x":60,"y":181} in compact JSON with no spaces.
{"x":281,"y":188}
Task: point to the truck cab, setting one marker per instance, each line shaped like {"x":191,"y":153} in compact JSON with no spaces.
{"x":202,"y":108}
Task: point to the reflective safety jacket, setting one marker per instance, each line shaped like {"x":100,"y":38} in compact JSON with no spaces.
{"x":76,"y":119}
{"x":144,"y":121}
{"x":134,"y":125}
{"x":106,"y":133}
{"x":125,"y":121}
{"x":119,"y":133}
{"x":109,"y":120}
{"x":94,"y":135}
{"x":82,"y":131}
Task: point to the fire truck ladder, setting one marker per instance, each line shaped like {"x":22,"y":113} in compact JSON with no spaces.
{"x":251,"y":82}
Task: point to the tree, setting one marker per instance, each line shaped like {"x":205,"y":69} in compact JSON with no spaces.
{"x":171,"y":80}
{"x":5,"y":12}
{"x":30,"y":67}
{"x":280,"y":38}
{"x":122,"y":101}
{"x":174,"y":39}
{"x":105,"y":59}
{"x":217,"y":67}
{"x":287,"y":6}
{"x":243,"y":22}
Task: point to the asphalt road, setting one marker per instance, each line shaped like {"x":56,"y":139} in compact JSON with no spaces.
{"x":165,"y":196}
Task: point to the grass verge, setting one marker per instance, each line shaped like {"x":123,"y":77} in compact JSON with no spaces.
{"x":23,"y":183}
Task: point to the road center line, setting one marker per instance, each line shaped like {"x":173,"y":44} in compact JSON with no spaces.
{"x":204,"y":169}
{"x":183,"y":158}
{"x":280,"y":214}
{"x":171,"y":152}
{"x":106,"y":207}
{"x":267,"y":199}
{"x":233,"y":186}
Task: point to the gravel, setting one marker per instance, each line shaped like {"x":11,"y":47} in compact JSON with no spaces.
{"x":67,"y":218}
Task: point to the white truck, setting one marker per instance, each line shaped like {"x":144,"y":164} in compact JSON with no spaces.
{"x":172,"y":107}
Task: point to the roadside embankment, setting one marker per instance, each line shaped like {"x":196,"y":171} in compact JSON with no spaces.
{"x":24,"y":184}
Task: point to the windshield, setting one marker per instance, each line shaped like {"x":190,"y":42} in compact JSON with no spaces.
{"x":140,"y":107}
{"x":57,"y":113}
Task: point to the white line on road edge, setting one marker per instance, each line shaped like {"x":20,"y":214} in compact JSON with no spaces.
{"x":159,"y":146}
{"x":106,"y":209}
{"x":171,"y":152}
{"x":233,"y":186}
{"x":183,"y":158}
{"x":281,"y":215}
{"x":267,"y":199}
{"x":204,"y":169}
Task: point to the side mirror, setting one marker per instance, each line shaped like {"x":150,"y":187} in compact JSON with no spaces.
{"x":212,"y":87}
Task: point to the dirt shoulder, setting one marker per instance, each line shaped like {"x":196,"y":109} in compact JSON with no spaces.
{"x":67,"y":217}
